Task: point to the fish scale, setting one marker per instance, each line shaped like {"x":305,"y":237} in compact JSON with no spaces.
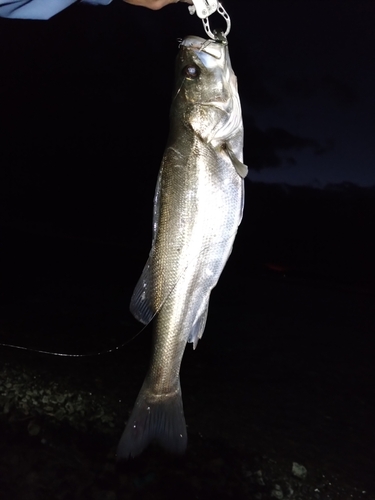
{"x":198,"y":207}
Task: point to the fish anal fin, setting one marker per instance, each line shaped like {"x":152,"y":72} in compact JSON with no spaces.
{"x":198,"y":327}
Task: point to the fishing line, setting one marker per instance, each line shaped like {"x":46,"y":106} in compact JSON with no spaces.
{"x":92,"y":354}
{"x":113,"y":349}
{"x":69,"y":355}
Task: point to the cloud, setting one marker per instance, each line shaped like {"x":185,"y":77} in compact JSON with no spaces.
{"x":340,"y":92}
{"x":255,"y":92}
{"x":263,"y":147}
{"x":324,"y":148}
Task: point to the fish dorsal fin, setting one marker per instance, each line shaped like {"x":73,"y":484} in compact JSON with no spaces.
{"x":240,"y":167}
{"x":141,"y":304}
{"x":148,"y":297}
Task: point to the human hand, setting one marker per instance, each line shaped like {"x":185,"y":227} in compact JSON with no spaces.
{"x":155,"y":4}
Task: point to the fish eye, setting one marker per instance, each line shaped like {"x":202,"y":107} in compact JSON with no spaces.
{"x":191,"y":71}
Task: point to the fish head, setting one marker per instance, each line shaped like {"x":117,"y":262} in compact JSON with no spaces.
{"x":206,"y":95}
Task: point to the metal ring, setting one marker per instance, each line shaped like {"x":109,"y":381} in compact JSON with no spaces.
{"x":207,"y":28}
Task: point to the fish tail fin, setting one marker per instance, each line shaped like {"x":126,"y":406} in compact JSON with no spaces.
{"x":157,"y":418}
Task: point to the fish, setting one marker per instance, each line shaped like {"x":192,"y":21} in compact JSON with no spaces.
{"x":198,"y":206}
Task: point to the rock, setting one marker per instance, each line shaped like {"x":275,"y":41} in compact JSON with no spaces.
{"x":277,"y":492}
{"x":299,"y":470}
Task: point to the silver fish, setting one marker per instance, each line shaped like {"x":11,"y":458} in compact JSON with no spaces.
{"x":197,"y":209}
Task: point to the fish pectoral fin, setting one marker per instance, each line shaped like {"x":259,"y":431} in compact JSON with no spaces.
{"x":240,"y":167}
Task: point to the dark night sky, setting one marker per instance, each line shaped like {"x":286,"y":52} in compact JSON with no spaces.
{"x":313,"y":65}
{"x":306,"y":73}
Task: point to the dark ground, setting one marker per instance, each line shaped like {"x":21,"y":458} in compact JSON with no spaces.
{"x":283,"y":374}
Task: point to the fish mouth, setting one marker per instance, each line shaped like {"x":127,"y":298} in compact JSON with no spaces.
{"x":211,"y":53}
{"x":212,"y":47}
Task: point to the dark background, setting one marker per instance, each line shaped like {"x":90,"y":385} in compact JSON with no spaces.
{"x":290,"y":335}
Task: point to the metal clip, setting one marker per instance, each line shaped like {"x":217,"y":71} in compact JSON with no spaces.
{"x":204,"y":8}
